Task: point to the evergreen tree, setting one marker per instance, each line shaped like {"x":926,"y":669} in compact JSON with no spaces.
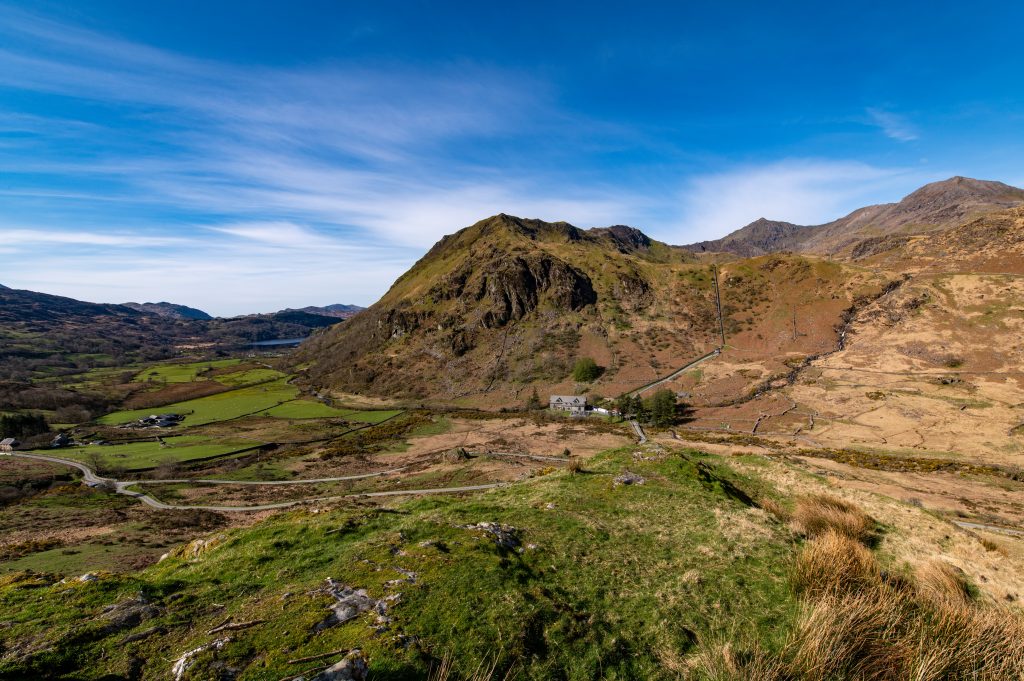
{"x":534,"y":401}
{"x":663,"y":407}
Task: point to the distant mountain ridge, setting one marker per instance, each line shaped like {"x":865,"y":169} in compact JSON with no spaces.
{"x":171,"y":310}
{"x":338,"y":310}
{"x":931,"y":208}
{"x":40,"y":332}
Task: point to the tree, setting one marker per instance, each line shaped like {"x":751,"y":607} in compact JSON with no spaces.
{"x":534,"y":401}
{"x":624,"y":405}
{"x":585,"y":370}
{"x":639,"y":409}
{"x":663,"y":407}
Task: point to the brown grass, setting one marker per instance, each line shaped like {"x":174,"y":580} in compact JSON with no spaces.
{"x":817,"y":514}
{"x":859,"y":624}
{"x":445,"y":671}
{"x":833,"y":563}
{"x":727,"y":663}
{"x":943,"y":584}
{"x":774,"y":508}
{"x":575,"y":466}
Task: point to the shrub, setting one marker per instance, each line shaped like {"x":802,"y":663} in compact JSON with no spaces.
{"x":585,"y":370}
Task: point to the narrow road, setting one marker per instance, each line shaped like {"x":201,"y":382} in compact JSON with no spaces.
{"x":121,"y":487}
{"x":675,"y":374}
{"x":638,"y":429}
{"x":991,"y":528}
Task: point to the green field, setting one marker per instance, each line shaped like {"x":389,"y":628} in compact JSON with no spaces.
{"x":308,"y":409}
{"x":220,"y":407}
{"x":181,"y":373}
{"x":249,"y":377}
{"x":150,"y":454}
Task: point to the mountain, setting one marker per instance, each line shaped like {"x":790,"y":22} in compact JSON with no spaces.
{"x":931,"y":208}
{"x":169,"y":310}
{"x":511,"y":303}
{"x":337,"y":310}
{"x":759,"y":237}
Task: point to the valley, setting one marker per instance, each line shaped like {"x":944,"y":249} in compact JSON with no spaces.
{"x":394,"y":493}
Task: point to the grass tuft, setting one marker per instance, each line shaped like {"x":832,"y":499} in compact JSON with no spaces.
{"x":834,"y":563}
{"x":817,"y":514}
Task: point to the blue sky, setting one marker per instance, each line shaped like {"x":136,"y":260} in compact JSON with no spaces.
{"x":247,"y":156}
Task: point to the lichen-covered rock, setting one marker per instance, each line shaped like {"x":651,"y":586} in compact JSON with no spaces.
{"x":505,"y":536}
{"x":353,"y":667}
{"x":349,"y":603}
{"x":628,"y":478}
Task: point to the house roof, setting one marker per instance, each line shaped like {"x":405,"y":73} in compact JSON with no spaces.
{"x":8,"y":441}
{"x":568,"y":399}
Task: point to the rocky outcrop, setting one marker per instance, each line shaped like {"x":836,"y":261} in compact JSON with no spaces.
{"x":517,"y":286}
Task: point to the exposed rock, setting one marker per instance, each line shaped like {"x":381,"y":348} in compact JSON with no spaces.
{"x":628,"y":478}
{"x":144,"y":634}
{"x":195,"y":548}
{"x":349,"y":603}
{"x":129,"y":613}
{"x":353,"y":667}
{"x":187,"y":659}
{"x":505,"y":536}
{"x":455,"y":455}
{"x":88,"y":577}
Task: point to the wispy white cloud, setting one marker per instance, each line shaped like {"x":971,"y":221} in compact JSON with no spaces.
{"x":802,"y":191}
{"x":894,"y":125}
{"x":23,"y":237}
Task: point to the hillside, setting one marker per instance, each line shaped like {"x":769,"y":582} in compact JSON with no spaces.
{"x":509,"y":304}
{"x":42,"y":334}
{"x":933,"y":207}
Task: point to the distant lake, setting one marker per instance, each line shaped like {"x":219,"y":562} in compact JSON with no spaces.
{"x":277,"y":342}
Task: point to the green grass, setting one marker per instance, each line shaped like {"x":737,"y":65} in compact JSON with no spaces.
{"x":181,"y":373}
{"x":250,"y":377}
{"x":615,"y":583}
{"x":305,"y":409}
{"x":78,"y":559}
{"x":220,"y":407}
{"x":149,"y":454}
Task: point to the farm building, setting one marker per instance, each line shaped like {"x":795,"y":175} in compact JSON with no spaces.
{"x":574,"y":404}
{"x":8,"y":444}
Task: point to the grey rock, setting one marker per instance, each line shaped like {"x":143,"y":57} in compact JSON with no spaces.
{"x":628,"y":478}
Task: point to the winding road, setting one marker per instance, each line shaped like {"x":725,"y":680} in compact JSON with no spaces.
{"x":89,"y":477}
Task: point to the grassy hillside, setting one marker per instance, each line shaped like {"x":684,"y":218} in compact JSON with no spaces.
{"x":510,"y":304}
{"x":594,"y":579}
